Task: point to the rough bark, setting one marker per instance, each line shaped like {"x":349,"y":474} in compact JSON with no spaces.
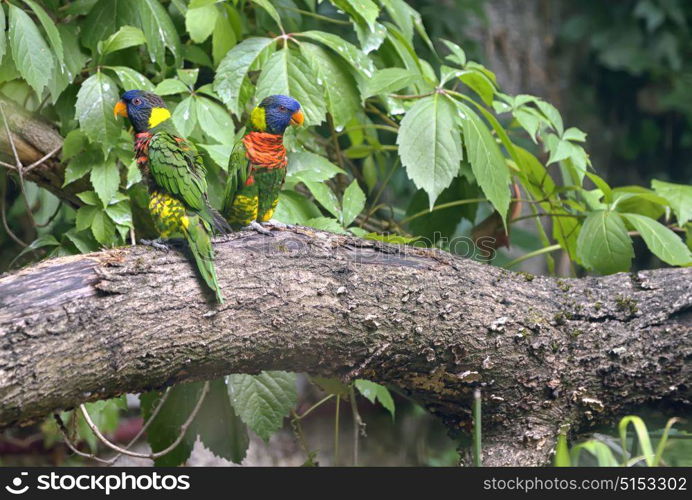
{"x":546,"y":352}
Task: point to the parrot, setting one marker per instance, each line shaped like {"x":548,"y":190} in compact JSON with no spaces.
{"x":176,"y":180}
{"x":257,"y":165}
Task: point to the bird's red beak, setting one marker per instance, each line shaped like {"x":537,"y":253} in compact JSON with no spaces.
{"x":120,"y":109}
{"x":297,"y":118}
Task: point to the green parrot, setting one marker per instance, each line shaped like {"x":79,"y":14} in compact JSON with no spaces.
{"x":257,"y":166}
{"x":176,"y":177}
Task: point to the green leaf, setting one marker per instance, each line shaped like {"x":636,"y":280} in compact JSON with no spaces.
{"x":457,"y":55}
{"x":352,"y":204}
{"x":233,"y":70}
{"x":50,"y":28}
{"x":269,"y":8}
{"x":165,"y":428}
{"x":103,"y":228}
{"x":662,"y":242}
{"x":364,"y":10}
{"x":80,"y":165}
{"x":642,"y":437}
{"x":200,"y":22}
{"x":480,"y":84}
{"x":389,"y":80}
{"x":603,"y":244}
{"x":188,"y":76}
{"x":90,"y":198}
{"x":306,"y":166}
{"x":131,"y":79}
{"x":85,"y":216}
{"x":185,"y":116}
{"x":574,"y":134}
{"x":561,"y":452}
{"x":325,"y":196}
{"x":214,"y":120}
{"x":159,"y":31}
{"x":120,"y":213}
{"x":326,"y":224}
{"x":262,"y":401}
{"x":126,"y":36}
{"x":349,"y":52}
{"x":604,"y":455}
{"x":83,"y":241}
{"x":429,"y":144}
{"x":552,"y":114}
{"x":219,"y":153}
{"x":75,"y":141}
{"x":100,"y":23}
{"x":223,"y":37}
{"x":294,"y":208}
{"x":331,"y":385}
{"x":171,"y":86}
{"x":30,"y":52}
{"x":134,"y":175}
{"x":678,"y":195}
{"x":486,"y":159}
{"x":376,"y":392}
{"x":94,"y":109}
{"x":3,"y":36}
{"x":287,"y":72}
{"x":47,"y":240}
{"x":334,"y":78}
{"x":219,"y":428}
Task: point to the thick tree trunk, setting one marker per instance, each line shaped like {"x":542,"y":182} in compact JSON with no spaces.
{"x":546,"y":352}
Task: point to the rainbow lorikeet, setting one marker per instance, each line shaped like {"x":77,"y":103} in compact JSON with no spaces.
{"x":176,"y":177}
{"x":257,"y":166}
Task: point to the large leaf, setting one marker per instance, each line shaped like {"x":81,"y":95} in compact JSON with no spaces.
{"x":215,"y":120}
{"x":679,"y":196}
{"x":159,"y":31}
{"x":165,"y":428}
{"x":269,"y":8}
{"x":325,"y":196}
{"x":185,"y":116}
{"x":389,"y":80}
{"x":50,"y":28}
{"x":94,"y":109}
{"x":365,"y":10}
{"x":126,"y":36}
{"x":233,"y":70}
{"x":219,"y":428}
{"x":131,"y":79}
{"x":339,"y":86}
{"x":287,"y":72}
{"x":105,"y":178}
{"x":429,"y":144}
{"x":263,"y":401}
{"x":352,"y":204}
{"x":603,"y":244}
{"x":376,"y":392}
{"x":200,"y":22}
{"x":306,"y":166}
{"x":662,"y":242}
{"x":486,"y":159}
{"x":31,"y":54}
{"x":349,"y":52}
{"x":100,"y":23}
{"x":294,"y":208}
{"x":223,"y":37}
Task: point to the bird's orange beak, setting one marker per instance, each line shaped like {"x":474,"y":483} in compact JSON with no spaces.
{"x":120,"y":109}
{"x":297,"y":118}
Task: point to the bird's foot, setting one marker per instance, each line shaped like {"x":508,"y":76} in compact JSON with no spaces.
{"x":259,"y":228}
{"x":158,"y":244}
{"x":278,"y":225}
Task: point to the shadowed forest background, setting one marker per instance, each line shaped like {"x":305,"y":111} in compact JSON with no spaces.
{"x":620,"y":72}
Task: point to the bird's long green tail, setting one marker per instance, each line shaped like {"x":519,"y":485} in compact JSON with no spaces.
{"x":198,"y":236}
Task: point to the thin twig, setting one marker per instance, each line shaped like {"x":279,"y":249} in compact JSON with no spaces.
{"x":358,"y":424}
{"x":43,"y":159}
{"x":123,"y":451}
{"x":3,"y":215}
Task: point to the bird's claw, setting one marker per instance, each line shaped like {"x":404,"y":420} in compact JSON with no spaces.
{"x":259,"y":228}
{"x":157,"y":244}
{"x":278,"y":225}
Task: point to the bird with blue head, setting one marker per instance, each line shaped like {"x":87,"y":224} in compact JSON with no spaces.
{"x":257,"y":166}
{"x":176,"y":177}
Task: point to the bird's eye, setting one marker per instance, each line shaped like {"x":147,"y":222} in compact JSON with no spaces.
{"x":282,"y":108}
{"x":136,"y":101}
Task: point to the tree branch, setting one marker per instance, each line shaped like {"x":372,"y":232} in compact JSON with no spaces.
{"x":547,"y":352}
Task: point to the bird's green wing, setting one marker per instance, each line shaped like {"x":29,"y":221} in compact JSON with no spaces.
{"x":177,"y":167}
{"x":238,"y":172}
